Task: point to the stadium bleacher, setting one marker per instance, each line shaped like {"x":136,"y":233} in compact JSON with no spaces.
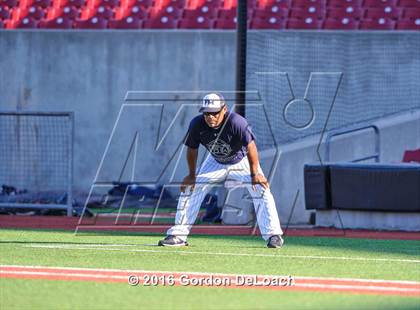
{"x":210,"y":14}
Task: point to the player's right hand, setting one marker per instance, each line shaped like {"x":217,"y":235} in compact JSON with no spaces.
{"x":189,"y":180}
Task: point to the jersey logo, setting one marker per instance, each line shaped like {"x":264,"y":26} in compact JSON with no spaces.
{"x":219,"y":148}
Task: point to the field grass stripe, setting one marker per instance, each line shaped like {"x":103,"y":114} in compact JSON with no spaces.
{"x":65,"y":274}
{"x":187,"y":252}
{"x":358,"y":287}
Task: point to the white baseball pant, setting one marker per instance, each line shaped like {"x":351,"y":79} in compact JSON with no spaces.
{"x":212,"y":172}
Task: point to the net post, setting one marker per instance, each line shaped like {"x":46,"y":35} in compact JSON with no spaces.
{"x":241,"y":34}
{"x":70,"y":167}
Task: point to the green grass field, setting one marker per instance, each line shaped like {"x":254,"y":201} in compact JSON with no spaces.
{"x":301,"y":256}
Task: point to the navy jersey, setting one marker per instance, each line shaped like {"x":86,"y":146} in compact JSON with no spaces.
{"x":227,"y":143}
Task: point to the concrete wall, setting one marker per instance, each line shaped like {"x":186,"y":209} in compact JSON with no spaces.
{"x":368,"y":220}
{"x":89,"y":72}
{"x":397,"y":133}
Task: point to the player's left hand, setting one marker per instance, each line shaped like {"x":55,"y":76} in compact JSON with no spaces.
{"x":259,"y":179}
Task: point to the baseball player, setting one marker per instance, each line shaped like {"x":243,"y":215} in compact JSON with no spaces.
{"x":234,"y":156}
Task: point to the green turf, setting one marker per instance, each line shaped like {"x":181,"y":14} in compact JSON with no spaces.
{"x":301,"y":256}
{"x":298,"y":257}
{"x":88,"y":295}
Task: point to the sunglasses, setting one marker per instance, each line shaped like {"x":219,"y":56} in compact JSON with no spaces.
{"x":214,"y":114}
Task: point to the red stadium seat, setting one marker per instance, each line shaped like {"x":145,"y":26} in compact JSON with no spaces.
{"x":59,"y":3}
{"x":227,"y":14}
{"x":318,"y":4}
{"x":88,"y":11}
{"x":180,"y":4}
{"x":411,"y":156}
{"x":130,"y":22}
{"x":4,"y":13}
{"x":92,"y":23}
{"x":409,"y":3}
{"x":93,"y":3}
{"x":170,"y":11}
{"x":379,"y":3}
{"x":345,"y":3}
{"x":273,"y":17}
{"x":204,"y":11}
{"x":345,"y":12}
{"x":231,"y":13}
{"x":303,"y":14}
{"x":42,"y":3}
{"x":197,"y":22}
{"x":161,"y":22}
{"x":76,"y":3}
{"x":387,"y":12}
{"x":269,"y":11}
{"x":212,"y":4}
{"x":225,"y":23}
{"x":141,"y":3}
{"x":106,"y":3}
{"x":67,"y":12}
{"x":275,"y":8}
{"x":58,"y":23}
{"x":233,"y":4}
{"x":121,"y":13}
{"x":27,"y":22}
{"x":229,"y":4}
{"x":16,"y":14}
{"x":9,"y":3}
{"x":409,"y":24}
{"x":286,"y":4}
{"x":110,"y":3}
{"x":270,"y":22}
{"x":378,"y":24}
{"x":227,"y":19}
{"x":138,"y":12}
{"x":412,"y":13}
{"x":208,"y":10}
{"x":25,"y":3}
{"x":36,"y":13}
{"x":105,"y":12}
{"x":344,"y":23}
{"x":308,"y":23}
{"x":101,"y":11}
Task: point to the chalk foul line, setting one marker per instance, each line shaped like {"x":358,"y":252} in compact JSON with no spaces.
{"x":270,"y":282}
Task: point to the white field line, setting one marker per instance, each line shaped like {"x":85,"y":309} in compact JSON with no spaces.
{"x":187,"y":252}
{"x":358,"y":287}
{"x":58,"y":271}
{"x":68,"y":274}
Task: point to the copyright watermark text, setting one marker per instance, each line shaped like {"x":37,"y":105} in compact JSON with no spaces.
{"x":209,"y":280}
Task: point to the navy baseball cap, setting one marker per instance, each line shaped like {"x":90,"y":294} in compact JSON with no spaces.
{"x":212,"y":103}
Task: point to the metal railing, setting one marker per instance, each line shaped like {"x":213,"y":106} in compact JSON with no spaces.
{"x":333,"y":134}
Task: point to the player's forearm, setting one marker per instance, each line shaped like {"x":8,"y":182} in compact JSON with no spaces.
{"x":253,"y":157}
{"x":192,"y":155}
